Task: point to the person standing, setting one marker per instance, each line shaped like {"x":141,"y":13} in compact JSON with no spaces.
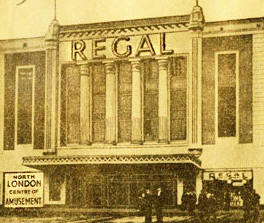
{"x":227,"y":200}
{"x":142,"y":203}
{"x":212,"y":206}
{"x":158,"y":204}
{"x":184,"y":199}
{"x":192,"y":202}
{"x":247,"y":203}
{"x":255,"y":206}
{"x":148,"y":206}
{"x":202,"y":205}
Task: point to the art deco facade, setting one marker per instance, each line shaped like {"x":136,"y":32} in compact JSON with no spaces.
{"x":104,"y":110}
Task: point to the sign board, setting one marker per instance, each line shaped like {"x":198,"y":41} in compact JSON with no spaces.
{"x":228,"y":175}
{"x":236,"y":199}
{"x":126,"y":46}
{"x":23,"y":190}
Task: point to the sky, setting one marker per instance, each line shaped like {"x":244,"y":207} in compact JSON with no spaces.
{"x":31,"y":19}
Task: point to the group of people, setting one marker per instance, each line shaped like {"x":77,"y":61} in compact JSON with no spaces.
{"x":208,"y":204}
{"x":250,"y":205}
{"x":149,"y":199}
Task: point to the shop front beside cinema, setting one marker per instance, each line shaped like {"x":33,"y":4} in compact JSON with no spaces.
{"x":228,"y":182}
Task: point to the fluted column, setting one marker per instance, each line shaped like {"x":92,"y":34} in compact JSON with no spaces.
{"x":163,"y":99}
{"x":52,"y":57}
{"x":110,"y":102}
{"x":85,"y":104}
{"x":136,"y":102}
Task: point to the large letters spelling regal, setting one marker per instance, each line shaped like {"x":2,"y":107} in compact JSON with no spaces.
{"x":98,"y":47}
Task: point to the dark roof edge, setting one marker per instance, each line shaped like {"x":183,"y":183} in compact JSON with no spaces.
{"x":236,"y":21}
{"x":128,"y":23}
{"x":23,"y":38}
{"x":152,"y":21}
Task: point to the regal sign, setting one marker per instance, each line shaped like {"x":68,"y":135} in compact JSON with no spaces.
{"x":228,"y":175}
{"x":127,"y":46}
{"x":23,"y":190}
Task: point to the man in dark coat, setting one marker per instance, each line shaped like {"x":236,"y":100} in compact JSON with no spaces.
{"x":212,"y":205}
{"x":148,"y":206}
{"x":202,"y":205}
{"x":191,"y":202}
{"x":255,"y":206}
{"x":227,"y":200}
{"x":142,"y":203}
{"x":184,"y":199}
{"x":158,"y":204}
{"x":247,"y":203}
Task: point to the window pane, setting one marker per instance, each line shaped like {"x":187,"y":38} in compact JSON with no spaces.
{"x":118,"y":193}
{"x":178,"y":98}
{"x":73,"y":105}
{"x":98,"y":116}
{"x":93,"y":194}
{"x":151,"y":100}
{"x":124,"y":102}
{"x":226,"y":95}
{"x":24,"y":105}
{"x":55,"y":186}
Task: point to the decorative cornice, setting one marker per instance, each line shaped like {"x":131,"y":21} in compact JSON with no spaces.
{"x":35,"y":161}
{"x":130,"y":27}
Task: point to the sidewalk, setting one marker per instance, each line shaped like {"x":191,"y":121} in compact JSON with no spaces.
{"x":83,"y":216}
{"x":135,"y":219}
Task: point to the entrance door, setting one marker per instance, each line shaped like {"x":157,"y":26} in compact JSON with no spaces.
{"x":93,"y":194}
{"x":76,"y":192}
{"x":125,"y":190}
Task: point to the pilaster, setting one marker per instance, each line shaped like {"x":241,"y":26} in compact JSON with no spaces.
{"x":196,"y":27}
{"x":199,"y":183}
{"x":179,"y":190}
{"x":52,"y":45}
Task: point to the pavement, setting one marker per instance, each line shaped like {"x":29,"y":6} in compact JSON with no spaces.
{"x":234,"y":216}
{"x":97,"y":219}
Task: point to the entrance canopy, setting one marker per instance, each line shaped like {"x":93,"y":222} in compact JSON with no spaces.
{"x":41,"y":161}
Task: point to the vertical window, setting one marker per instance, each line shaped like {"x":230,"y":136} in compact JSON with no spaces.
{"x":73,"y":105}
{"x":178,"y":98}
{"x":25,"y":76}
{"x":98,"y":113}
{"x":151,"y":102}
{"x":124,"y":102}
{"x":55,"y":185}
{"x":226,"y":93}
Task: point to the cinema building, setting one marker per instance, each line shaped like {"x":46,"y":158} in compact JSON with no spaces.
{"x":95,"y":113}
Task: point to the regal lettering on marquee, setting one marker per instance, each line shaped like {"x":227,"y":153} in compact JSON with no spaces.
{"x":227,"y":175}
{"x":99,"y":47}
